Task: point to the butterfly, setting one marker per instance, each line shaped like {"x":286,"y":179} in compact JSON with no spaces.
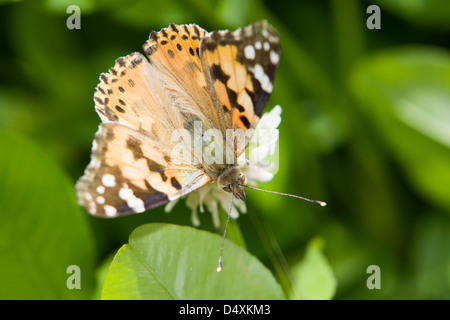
{"x":220,"y":80}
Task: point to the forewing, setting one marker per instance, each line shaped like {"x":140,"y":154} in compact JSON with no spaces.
{"x":174,"y":53}
{"x":240,"y":68}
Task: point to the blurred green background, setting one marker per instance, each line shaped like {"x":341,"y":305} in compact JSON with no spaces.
{"x":365,"y":127}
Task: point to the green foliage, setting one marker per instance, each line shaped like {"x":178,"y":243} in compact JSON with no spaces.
{"x":405,"y":93}
{"x":315,"y":278}
{"x":42,"y":230}
{"x":430,"y":14}
{"x":157,"y":265}
{"x":365,"y":127}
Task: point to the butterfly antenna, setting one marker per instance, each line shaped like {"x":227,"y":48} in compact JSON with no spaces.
{"x":320,"y":203}
{"x":219,"y":264}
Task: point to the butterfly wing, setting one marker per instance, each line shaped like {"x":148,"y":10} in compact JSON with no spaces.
{"x":240,"y":68}
{"x":174,"y":52}
{"x":130,"y":172}
{"x":144,"y":102}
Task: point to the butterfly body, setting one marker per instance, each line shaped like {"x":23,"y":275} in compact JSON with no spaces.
{"x":232,"y":180}
{"x":162,"y":115}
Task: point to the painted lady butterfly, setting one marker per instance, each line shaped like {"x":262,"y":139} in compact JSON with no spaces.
{"x":222,"y":79}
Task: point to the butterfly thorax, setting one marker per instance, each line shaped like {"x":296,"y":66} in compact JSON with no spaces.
{"x":233,"y":180}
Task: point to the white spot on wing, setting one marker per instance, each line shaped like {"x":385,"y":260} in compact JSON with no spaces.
{"x":249,"y":52}
{"x":101,"y":189}
{"x":109,"y":180}
{"x":100,"y":200}
{"x":263,"y":78}
{"x":92,"y":207}
{"x":110,"y":211}
{"x":274,"y":57}
{"x":266,"y":46}
{"x":136,"y":204}
{"x":258,"y":45}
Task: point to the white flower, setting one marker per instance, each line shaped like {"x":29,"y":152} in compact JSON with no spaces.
{"x":256,"y":163}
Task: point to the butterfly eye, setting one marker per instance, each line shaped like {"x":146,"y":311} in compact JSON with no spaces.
{"x":226,"y":188}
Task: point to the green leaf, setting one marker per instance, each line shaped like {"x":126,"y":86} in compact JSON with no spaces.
{"x":431,"y":256}
{"x":8,"y":1}
{"x":164,"y":261}
{"x":233,"y":13}
{"x":100,"y":275}
{"x":60,"y":6}
{"x":431,"y":13}
{"x":405,"y":94}
{"x":42,"y":229}
{"x":315,"y":279}
{"x":149,"y":14}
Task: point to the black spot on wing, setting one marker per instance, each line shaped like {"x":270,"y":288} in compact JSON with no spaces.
{"x":135,"y":146}
{"x":174,"y":27}
{"x":219,"y":74}
{"x":120,"y":61}
{"x":245,"y":121}
{"x":104,"y":78}
{"x":163,"y":176}
{"x":175,"y":183}
{"x":120,"y":109}
{"x":98,"y":100}
{"x":110,"y":115}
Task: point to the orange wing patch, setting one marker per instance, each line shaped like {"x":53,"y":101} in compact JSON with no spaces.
{"x":231,"y":82}
{"x":176,"y":47}
{"x":127,"y":93}
{"x":175,"y":53}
